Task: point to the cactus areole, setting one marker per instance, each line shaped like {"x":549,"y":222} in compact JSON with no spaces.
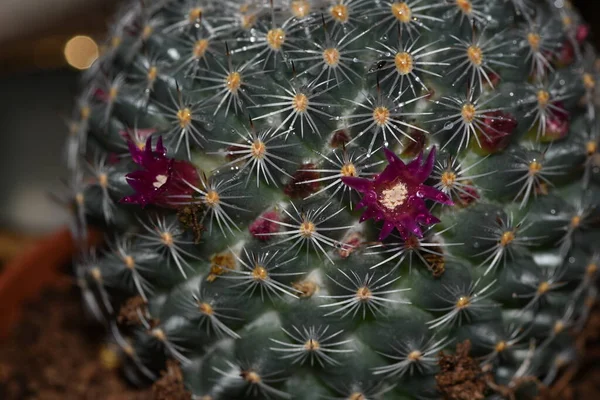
{"x":312,"y":199}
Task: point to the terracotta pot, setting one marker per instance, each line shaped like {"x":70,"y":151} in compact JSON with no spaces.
{"x":41,"y":266}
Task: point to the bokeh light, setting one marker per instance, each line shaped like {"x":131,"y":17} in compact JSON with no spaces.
{"x":81,"y":52}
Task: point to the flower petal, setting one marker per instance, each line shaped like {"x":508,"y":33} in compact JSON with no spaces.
{"x":411,"y":225}
{"x":387,"y":228}
{"x":394,"y":161}
{"x":427,"y":168}
{"x":431,"y":193}
{"x":361,"y":184}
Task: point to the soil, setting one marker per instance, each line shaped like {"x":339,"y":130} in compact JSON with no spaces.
{"x":53,"y":354}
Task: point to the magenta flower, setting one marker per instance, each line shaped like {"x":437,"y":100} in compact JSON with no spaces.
{"x":160,"y":178}
{"x":396,"y":196}
{"x":558,"y":122}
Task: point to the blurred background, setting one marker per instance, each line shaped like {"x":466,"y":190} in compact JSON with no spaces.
{"x":44,"y":44}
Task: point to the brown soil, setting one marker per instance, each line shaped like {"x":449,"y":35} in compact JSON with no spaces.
{"x":54,"y":355}
{"x":460,"y":376}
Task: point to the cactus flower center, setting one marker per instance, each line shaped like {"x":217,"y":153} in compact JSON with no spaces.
{"x":85,"y":112}
{"x":259,"y":273}
{"x":113,"y":93}
{"x":592,"y":269}
{"x":152,"y":74}
{"x":159,"y":334}
{"x":300,"y":8}
{"x":404,"y":63}
{"x":103,"y":180}
{"x":331,"y":56}
{"x":534,"y":168}
{"x":559,"y":326}
{"x":206,"y":309}
{"x":115,"y":41}
{"x":258,"y":149}
{"x":381,"y":115}
{"x":300,"y":102}
{"x":195,"y":14}
{"x":402,"y":12}
{"x":307,"y":229}
{"x":200,"y":48}
{"x":276,"y":38}
{"x":312,"y":345}
{"x":394,"y":196}
{"x":414,"y":355}
{"x":184,"y":116}
{"x":160,"y":181}
{"x":364,"y":293}
{"x":448,"y":178}
{"x":348,"y":170}
{"x":79,"y":199}
{"x":588,"y":81}
{"x":167,"y":239}
{"x":306,"y":288}
{"x":251,"y":376}
{"x":248,"y":21}
{"x":212,"y":198}
{"x":576,"y":221}
{"x":463,"y":302}
{"x":501,"y":346}
{"x":543,"y":287}
{"x":475,"y":55}
{"x":543,"y":97}
{"x":147,"y":31}
{"x":129,"y":262}
{"x":507,"y":238}
{"x":233,"y":82}
{"x":465,"y":6}
{"x":357,"y":396}
{"x":468,"y":112}
{"x":534,"y":41}
{"x":340,"y":13}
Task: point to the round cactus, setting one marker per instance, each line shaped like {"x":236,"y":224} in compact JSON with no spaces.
{"x":310,"y":199}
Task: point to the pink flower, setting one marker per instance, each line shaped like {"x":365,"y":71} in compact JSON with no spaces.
{"x":496,"y":131}
{"x":397,"y":195}
{"x":264,"y":225}
{"x":558,"y":122}
{"x":160,"y":178}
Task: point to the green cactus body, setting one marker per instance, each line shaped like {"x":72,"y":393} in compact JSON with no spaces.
{"x":247,"y":245}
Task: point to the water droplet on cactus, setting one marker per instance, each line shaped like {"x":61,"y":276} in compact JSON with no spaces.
{"x":448,"y":125}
